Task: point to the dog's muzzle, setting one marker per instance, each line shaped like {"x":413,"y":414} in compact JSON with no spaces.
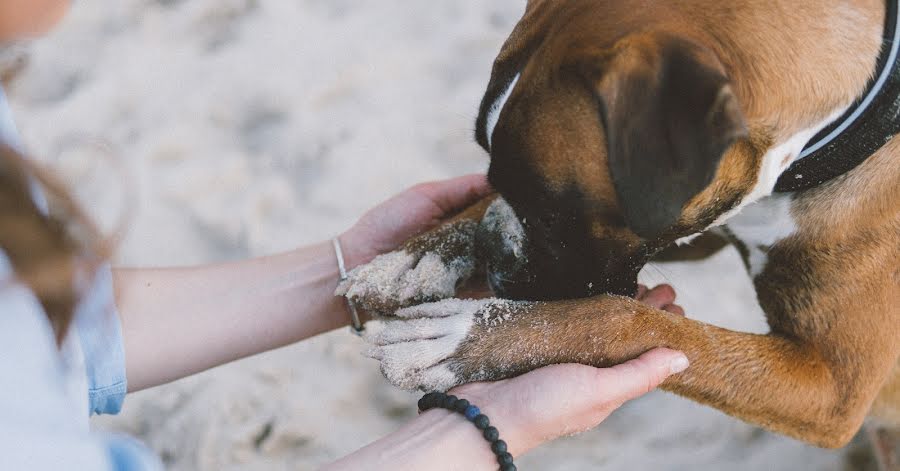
{"x":501,"y":243}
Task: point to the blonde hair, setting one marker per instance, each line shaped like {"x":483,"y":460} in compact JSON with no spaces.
{"x":54,"y":253}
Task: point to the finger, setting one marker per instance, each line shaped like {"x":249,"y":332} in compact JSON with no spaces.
{"x":674,"y":309}
{"x":660,"y":296}
{"x":639,"y":376}
{"x":456,"y":193}
{"x":641,"y":291}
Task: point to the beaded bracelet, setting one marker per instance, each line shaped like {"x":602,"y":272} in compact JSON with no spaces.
{"x":473,"y":414}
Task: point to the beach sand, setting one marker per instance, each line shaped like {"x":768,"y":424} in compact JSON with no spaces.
{"x":245,"y":127}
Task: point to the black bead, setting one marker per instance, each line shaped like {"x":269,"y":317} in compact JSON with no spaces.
{"x":432,"y":400}
{"x":425,"y":402}
{"x":461,"y":406}
{"x":504,"y":458}
{"x":481,"y":421}
{"x":491,"y":434}
{"x":448,"y":402}
{"x":499,"y":446}
{"x":508,"y":467}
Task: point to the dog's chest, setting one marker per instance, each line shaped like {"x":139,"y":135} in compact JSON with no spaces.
{"x":760,"y":226}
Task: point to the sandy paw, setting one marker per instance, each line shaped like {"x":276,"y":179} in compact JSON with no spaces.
{"x":426,"y":269}
{"x":417,"y":350}
{"x":429,"y":347}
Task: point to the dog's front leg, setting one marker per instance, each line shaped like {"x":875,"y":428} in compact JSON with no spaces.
{"x":780,"y":383}
{"x":428,"y":267}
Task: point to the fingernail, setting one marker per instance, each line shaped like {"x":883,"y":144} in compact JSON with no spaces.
{"x":679,"y":364}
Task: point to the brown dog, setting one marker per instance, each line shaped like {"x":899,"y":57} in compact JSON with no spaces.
{"x":617,"y":128}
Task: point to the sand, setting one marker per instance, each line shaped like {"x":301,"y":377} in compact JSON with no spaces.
{"x":428,"y":270}
{"x":252,"y":126}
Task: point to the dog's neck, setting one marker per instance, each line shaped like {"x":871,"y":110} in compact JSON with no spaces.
{"x":863,"y":129}
{"x":798,"y":107}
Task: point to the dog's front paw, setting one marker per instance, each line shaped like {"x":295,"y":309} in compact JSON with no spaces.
{"x":434,"y":347}
{"x":426,"y":269}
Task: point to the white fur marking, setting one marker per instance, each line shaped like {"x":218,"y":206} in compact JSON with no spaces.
{"x":762,"y":225}
{"x":493,"y":115}
{"x":775,"y":162}
{"x":687,"y":240}
{"x":411,"y":349}
{"x":379,"y":277}
{"x":399,"y":278}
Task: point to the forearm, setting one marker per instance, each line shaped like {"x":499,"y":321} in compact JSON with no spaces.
{"x":180,"y":321}
{"x":436,"y":440}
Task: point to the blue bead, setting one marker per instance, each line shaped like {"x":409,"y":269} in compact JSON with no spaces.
{"x":472,"y":412}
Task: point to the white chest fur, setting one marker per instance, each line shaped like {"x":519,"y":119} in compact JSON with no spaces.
{"x":774,"y":163}
{"x":761,"y":225}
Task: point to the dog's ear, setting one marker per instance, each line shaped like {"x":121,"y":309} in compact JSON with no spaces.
{"x":669,"y":115}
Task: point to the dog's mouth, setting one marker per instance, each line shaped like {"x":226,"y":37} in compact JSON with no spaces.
{"x":557,"y":287}
{"x":521,"y":268}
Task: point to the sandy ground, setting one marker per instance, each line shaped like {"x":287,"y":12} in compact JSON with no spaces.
{"x":245,"y":127}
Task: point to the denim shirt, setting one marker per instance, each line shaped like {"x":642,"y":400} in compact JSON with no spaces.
{"x":48,"y":392}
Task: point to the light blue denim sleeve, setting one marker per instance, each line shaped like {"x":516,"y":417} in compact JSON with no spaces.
{"x":8,"y":133}
{"x":100,"y":332}
{"x":42,"y":426}
{"x":96,"y":322}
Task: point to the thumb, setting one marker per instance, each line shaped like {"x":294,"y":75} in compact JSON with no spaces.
{"x":456,"y":193}
{"x":637,"y":377}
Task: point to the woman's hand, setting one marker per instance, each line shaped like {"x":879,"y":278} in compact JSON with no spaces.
{"x":408,"y":214}
{"x":529,"y":410}
{"x":563,"y":400}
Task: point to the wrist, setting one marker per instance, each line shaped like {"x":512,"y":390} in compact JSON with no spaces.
{"x":434,"y":440}
{"x":455,"y":441}
{"x":515,"y":429}
{"x":354,"y":317}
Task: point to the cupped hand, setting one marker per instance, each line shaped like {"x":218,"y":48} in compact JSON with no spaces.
{"x":563,"y":400}
{"x":416,"y":210}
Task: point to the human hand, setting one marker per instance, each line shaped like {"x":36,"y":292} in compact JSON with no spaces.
{"x":529,"y":410}
{"x":563,"y":400}
{"x":416,"y":210}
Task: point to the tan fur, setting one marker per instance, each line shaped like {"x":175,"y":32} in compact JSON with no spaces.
{"x":833,"y":304}
{"x":831,"y":291}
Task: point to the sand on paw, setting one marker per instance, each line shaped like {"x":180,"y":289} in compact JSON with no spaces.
{"x":500,"y":219}
{"x":502,"y":243}
{"x":403,"y":278}
{"x":414,"y":348}
{"x":417,"y":347}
